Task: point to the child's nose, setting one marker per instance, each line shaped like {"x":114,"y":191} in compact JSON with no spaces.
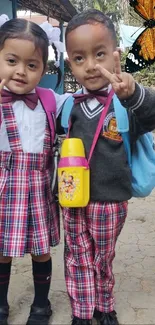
{"x":90,"y":64}
{"x":21,"y":69}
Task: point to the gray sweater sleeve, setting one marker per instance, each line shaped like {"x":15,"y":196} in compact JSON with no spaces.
{"x":141,"y":108}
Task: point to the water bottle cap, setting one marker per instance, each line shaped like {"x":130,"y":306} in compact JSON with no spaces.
{"x":72,"y":147}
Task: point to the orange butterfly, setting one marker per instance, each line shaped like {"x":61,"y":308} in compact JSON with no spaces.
{"x":142,"y":53}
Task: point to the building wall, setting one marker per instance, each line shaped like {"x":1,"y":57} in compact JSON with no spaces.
{"x":6,"y":7}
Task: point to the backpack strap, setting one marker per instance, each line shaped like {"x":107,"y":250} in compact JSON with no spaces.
{"x":121,"y":117}
{"x":120,"y":112}
{"x":48,"y":101}
{"x":123,"y":125}
{"x":66,"y":111}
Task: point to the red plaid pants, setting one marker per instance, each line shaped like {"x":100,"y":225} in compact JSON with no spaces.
{"x":90,"y":239}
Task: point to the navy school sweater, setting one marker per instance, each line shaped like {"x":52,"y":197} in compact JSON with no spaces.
{"x":110,"y":175}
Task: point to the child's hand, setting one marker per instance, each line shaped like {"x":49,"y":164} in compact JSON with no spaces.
{"x":2,"y":83}
{"x":122,"y":83}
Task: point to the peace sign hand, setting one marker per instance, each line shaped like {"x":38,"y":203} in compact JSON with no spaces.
{"x":122,"y":83}
{"x":2,"y":83}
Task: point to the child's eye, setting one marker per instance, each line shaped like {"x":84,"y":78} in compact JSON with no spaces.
{"x":100,"y":54}
{"x":32,"y":66}
{"x":11,"y":61}
{"x":78,"y":59}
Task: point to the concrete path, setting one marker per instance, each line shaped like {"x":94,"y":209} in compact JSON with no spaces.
{"x":134,"y":268}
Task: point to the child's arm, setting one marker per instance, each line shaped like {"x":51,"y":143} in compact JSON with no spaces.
{"x":142,"y":104}
{"x":60,"y":99}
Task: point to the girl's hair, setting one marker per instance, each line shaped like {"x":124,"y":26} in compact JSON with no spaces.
{"x":58,"y":69}
{"x":91,"y":16}
{"x":22,"y":29}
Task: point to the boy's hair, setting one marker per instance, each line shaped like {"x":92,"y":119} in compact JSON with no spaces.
{"x":18,"y":28}
{"x":91,"y":16}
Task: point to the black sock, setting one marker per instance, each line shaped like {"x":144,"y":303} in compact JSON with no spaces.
{"x":42,"y":280}
{"x":5,"y":269}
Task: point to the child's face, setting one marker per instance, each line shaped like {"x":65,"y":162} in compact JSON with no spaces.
{"x":87,"y":46}
{"x":21,"y":65}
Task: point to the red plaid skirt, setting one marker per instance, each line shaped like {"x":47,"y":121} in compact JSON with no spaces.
{"x":29,"y":216}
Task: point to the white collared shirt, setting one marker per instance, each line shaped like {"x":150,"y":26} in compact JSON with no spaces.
{"x":31,"y":124}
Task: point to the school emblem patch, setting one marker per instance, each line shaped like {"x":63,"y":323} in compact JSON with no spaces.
{"x":110,"y":128}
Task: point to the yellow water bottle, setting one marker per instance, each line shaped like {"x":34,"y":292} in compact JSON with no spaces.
{"x":73,"y":175}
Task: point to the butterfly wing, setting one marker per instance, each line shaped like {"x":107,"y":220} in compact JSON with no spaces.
{"x":144,"y":8}
{"x":142,"y":53}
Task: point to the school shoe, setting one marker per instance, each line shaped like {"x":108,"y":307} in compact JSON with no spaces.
{"x":40,"y":316}
{"x":106,"y":318}
{"x":4,"y":313}
{"x":79,"y":321}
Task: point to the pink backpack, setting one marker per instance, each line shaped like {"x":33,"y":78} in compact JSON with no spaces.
{"x":48,"y":101}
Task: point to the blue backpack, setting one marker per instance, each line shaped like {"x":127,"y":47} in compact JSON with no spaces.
{"x":142,"y":157}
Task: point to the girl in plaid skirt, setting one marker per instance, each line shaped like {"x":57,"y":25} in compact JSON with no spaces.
{"x":91,"y":233}
{"x":29,"y":219}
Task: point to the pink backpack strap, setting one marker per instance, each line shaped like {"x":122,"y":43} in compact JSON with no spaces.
{"x":100,"y":124}
{"x":48,"y":101}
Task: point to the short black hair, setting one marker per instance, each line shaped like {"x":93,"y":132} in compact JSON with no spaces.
{"x":91,"y":16}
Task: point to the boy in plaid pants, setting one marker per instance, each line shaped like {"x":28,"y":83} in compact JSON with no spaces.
{"x":91,"y":233}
